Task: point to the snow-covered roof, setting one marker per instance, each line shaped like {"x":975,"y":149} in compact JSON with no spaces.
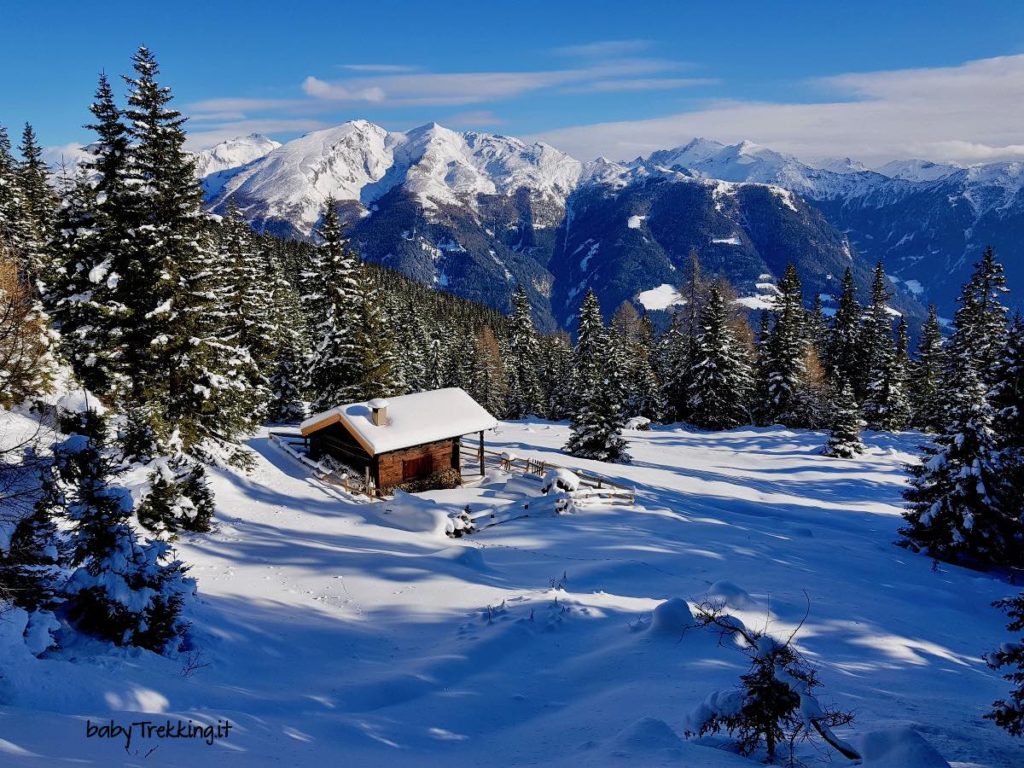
{"x":414,"y":419}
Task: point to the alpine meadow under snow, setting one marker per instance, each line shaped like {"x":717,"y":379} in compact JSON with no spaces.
{"x":730,"y":494}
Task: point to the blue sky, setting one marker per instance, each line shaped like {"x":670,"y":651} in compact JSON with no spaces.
{"x":869,"y":79}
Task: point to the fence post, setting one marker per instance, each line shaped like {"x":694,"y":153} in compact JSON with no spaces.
{"x":481,"y":453}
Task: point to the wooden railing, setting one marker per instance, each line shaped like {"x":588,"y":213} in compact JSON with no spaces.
{"x":592,"y":483}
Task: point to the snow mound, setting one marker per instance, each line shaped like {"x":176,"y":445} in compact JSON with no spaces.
{"x":899,"y":748}
{"x":633,"y":222}
{"x":468,"y":557}
{"x":638,"y":422}
{"x":730,"y":594}
{"x":672,"y":617}
{"x":407,"y":512}
{"x":646,"y":735}
{"x":560,"y":480}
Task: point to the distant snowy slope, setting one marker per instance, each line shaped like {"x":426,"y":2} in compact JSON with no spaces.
{"x":233,"y":153}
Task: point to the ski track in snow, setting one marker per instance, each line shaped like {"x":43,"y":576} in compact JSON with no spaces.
{"x":329,"y":638}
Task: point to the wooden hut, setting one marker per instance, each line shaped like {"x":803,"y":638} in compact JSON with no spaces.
{"x":400,"y":440}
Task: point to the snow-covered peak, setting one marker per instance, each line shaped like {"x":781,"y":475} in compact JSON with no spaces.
{"x":361,"y":161}
{"x":841,"y":165}
{"x":696,"y":151}
{"x":233,"y":153}
{"x":917,"y":170}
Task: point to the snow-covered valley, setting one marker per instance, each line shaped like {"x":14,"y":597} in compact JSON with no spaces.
{"x":330,"y":635}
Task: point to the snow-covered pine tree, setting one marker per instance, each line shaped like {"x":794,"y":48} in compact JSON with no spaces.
{"x":17,"y":233}
{"x":844,"y":436}
{"x":286,"y":370}
{"x":1007,"y":400}
{"x":123,"y":590}
{"x":598,"y":417}
{"x":557,"y":375}
{"x":31,"y":567}
{"x":522,"y":360}
{"x":336,"y":306}
{"x":879,"y":380}
{"x":926,"y":371}
{"x":635,"y":337}
{"x":842,"y":354}
{"x":377,"y":369}
{"x":818,"y":330}
{"x":179,"y":497}
{"x":40,"y":204}
{"x":980,"y":319}
{"x":783,"y":362}
{"x":98,"y":271}
{"x":672,"y":367}
{"x":952,"y":512}
{"x":720,"y":383}
{"x":1009,"y":713}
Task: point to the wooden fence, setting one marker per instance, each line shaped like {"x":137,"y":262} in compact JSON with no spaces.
{"x":591,"y":485}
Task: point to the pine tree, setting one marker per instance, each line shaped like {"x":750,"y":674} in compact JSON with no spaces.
{"x":884,"y":400}
{"x":1007,"y":400}
{"x":980,"y":319}
{"x":123,"y":590}
{"x":39,"y":203}
{"x":953,"y":514}
{"x":96,"y":226}
{"x":844,"y":438}
{"x":1009,"y":713}
{"x":336,"y":304}
{"x":522,"y":355}
{"x":842,"y":355}
{"x":598,"y":417}
{"x":783,"y":363}
{"x":179,"y":497}
{"x":377,"y":372}
{"x":720,"y":385}
{"x":926,"y":372}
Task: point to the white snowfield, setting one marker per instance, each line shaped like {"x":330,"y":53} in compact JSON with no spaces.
{"x":422,"y":417}
{"x":337,"y":633}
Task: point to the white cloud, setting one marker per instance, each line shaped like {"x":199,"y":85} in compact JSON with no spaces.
{"x":605,"y":48}
{"x":640,"y":84}
{"x":64,"y":155}
{"x":965,"y":113}
{"x":464,"y":88}
{"x":378,"y":67}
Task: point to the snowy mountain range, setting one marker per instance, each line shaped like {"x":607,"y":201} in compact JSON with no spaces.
{"x":476,"y":213}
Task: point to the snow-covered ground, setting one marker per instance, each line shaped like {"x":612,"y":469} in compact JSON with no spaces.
{"x":329,"y":634}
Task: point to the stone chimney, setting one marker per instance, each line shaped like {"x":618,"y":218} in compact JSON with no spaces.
{"x":379,"y":411}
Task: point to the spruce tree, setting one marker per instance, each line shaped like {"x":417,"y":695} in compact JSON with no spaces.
{"x":783,"y":356}
{"x":980,"y":319}
{"x":377,"y":370}
{"x":953,"y":513}
{"x":39,"y":203}
{"x":844,"y":437}
{"x":121,"y":589}
{"x":842,"y":356}
{"x":926,"y":371}
{"x":720,"y":383}
{"x":334,"y":299}
{"x":522,"y":354}
{"x":1007,"y":400}
{"x":1009,"y":713}
{"x":635,"y":337}
{"x":598,"y":416}
{"x":883,"y":399}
